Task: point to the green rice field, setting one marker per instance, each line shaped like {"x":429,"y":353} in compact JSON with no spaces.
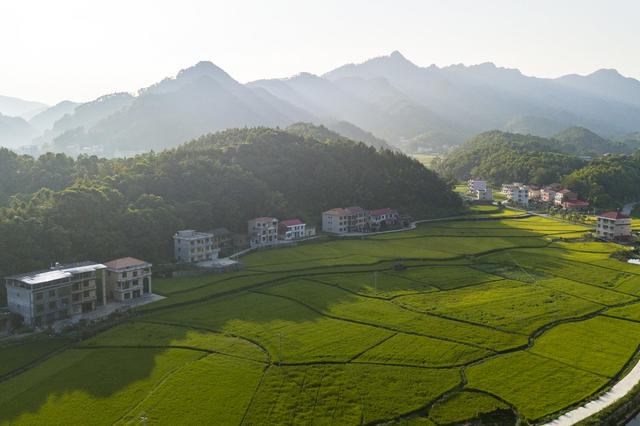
{"x":503,"y":320}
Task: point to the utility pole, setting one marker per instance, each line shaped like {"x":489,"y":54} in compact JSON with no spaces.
{"x":375,"y":281}
{"x":280,"y":354}
{"x":144,"y":420}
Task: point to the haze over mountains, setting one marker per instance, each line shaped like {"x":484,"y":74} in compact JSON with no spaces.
{"x":390,"y":98}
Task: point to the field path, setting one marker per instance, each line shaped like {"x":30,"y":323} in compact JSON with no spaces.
{"x":618,"y":390}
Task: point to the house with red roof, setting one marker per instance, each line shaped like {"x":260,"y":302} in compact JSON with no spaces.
{"x":613,"y":225}
{"x":574,"y":205}
{"x":383,"y":217}
{"x":292,"y":229}
{"x":564,"y":195}
{"x":127,"y":278}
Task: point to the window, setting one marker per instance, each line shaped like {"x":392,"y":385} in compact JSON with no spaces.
{"x":52,"y":305}
{"x":87,"y":294}
{"x":52,"y":293}
{"x":40,"y":308}
{"x":39,"y":296}
{"x":76,"y":297}
{"x":124,"y":275}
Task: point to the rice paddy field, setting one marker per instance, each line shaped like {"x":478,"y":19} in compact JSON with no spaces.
{"x":504,"y":320}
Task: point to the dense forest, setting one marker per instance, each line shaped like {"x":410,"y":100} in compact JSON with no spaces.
{"x":606,"y":182}
{"x":56,"y":208}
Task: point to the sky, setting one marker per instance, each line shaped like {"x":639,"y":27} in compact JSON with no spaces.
{"x":79,"y":50}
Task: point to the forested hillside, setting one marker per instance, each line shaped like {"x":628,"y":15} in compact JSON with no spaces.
{"x":501,"y":157}
{"x":93,"y":208}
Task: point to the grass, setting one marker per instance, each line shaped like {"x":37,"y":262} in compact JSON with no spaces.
{"x":329,"y":332}
{"x":425,"y":159}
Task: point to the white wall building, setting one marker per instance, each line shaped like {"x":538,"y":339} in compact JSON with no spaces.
{"x":474,"y":185}
{"x":262,"y":231}
{"x":192,"y":246}
{"x":336,"y":221}
{"x":613,"y":225}
{"x":516,"y":192}
{"x":128,"y":278}
{"x":292,"y":229}
{"x":484,"y":194}
{"x":45,"y":296}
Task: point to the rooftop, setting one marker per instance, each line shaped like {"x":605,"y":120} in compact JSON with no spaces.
{"x":381,"y":211}
{"x":263,"y":219}
{"x":338,"y":212}
{"x":191,"y":234}
{"x":564,"y":191}
{"x":291,"y":222}
{"x":355,"y":209}
{"x":126,"y":262}
{"x":220,"y":231}
{"x":613,"y":215}
{"x":57,"y":272}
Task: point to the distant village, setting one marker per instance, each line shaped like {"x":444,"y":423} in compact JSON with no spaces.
{"x":90,"y":290}
{"x":609,"y":226}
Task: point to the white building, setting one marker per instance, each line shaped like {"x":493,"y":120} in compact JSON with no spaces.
{"x":612,"y":225}
{"x":128,"y":278}
{"x":383,"y":217}
{"x":292,"y":229}
{"x":516,"y":192}
{"x":336,"y":221}
{"x":262,"y":231}
{"x":484,"y":194}
{"x":45,"y":296}
{"x":474,"y":185}
{"x":192,"y":246}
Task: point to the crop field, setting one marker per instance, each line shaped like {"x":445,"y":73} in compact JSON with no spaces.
{"x":499,"y":320}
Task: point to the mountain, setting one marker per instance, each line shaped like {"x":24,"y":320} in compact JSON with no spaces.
{"x":199,"y":100}
{"x":583,"y":141}
{"x":15,"y":131}
{"x":355,"y":133}
{"x":327,"y":133}
{"x":388,"y":98}
{"x":44,"y":120}
{"x":15,"y":107}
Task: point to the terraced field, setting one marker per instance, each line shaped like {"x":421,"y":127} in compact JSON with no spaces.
{"x":497,"y":320}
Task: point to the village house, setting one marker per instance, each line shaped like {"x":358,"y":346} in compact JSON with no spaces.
{"x":516,"y":192}
{"x":564,"y":195}
{"x":575,"y":205}
{"x":484,"y":195}
{"x":612,"y":225}
{"x":383,"y":217}
{"x":336,"y":221}
{"x":263,"y":231}
{"x":190,"y":246}
{"x":128,"y":278}
{"x":310,"y":231}
{"x":45,"y":296}
{"x":358,"y":220}
{"x":292,"y":229}
{"x":474,"y":185}
{"x":534,"y":193}
{"x":547,"y":195}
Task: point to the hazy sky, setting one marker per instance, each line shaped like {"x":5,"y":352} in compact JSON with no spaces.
{"x":81,"y":49}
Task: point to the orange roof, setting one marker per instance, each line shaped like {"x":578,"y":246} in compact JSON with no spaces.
{"x":125,"y":262}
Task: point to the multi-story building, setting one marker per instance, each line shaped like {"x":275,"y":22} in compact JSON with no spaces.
{"x":292,"y":229}
{"x":191,"y":246}
{"x":263,"y":231}
{"x":484,"y":194}
{"x":547,"y":195}
{"x":128,"y":278}
{"x":612,"y":225}
{"x":564,"y":195}
{"x":45,"y":296}
{"x":474,"y":185}
{"x":358,"y":220}
{"x":534,"y":193}
{"x":383,"y":217}
{"x":336,"y":221}
{"x":517,"y":193}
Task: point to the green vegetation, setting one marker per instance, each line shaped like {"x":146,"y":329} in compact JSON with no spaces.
{"x":18,"y":354}
{"x":55,"y":207}
{"x":469,"y":319}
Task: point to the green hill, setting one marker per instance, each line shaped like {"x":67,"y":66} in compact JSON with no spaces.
{"x":132,"y":206}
